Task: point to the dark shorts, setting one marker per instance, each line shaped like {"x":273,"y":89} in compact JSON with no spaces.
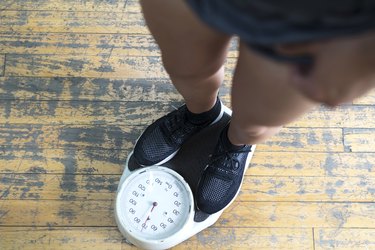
{"x":264,"y":23}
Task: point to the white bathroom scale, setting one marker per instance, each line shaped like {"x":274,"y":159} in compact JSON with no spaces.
{"x":155,"y":207}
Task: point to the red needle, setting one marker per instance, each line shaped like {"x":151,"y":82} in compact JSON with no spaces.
{"x":154,"y":204}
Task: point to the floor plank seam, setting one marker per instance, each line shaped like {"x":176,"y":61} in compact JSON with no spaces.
{"x":313,"y":237}
{"x":3,"y":68}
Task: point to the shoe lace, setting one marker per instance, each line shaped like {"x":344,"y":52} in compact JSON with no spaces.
{"x":176,"y":125}
{"x":230,"y":157}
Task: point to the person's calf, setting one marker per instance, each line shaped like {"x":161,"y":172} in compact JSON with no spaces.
{"x":199,"y":89}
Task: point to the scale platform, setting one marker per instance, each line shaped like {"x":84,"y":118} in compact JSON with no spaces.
{"x":192,"y":158}
{"x":189,"y":162}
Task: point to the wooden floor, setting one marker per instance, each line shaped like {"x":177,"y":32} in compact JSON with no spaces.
{"x":79,"y":80}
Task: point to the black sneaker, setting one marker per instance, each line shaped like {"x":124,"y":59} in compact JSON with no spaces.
{"x":162,"y":139}
{"x":223,"y":175}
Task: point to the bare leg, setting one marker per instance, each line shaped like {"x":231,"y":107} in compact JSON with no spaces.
{"x":262,"y":98}
{"x":262,"y":101}
{"x":192,"y":53}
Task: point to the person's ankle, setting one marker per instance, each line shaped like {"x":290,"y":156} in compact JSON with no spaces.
{"x":225,"y":139}
{"x":201,"y":106}
{"x":206,"y":116}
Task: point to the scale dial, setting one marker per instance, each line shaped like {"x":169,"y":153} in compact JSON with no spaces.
{"x":154,"y":204}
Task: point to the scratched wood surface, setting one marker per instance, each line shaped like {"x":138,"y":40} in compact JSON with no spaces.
{"x":80,"y":80}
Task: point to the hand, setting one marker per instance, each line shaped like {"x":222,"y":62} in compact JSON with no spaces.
{"x":343,"y":68}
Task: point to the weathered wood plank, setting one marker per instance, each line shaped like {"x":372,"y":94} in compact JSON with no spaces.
{"x":68,"y":5}
{"x":61,"y":238}
{"x":312,"y":164}
{"x":103,"y":187}
{"x":272,"y":188}
{"x":346,"y":116}
{"x":110,"y":238}
{"x":101,"y":66}
{"x":87,"y":89}
{"x":299,"y":214}
{"x":57,"y":213}
{"x":305,"y":139}
{"x":54,"y":137}
{"x":271,"y":163}
{"x":344,"y":238}
{"x":93,"y":89}
{"x":84,"y":44}
{"x":359,"y":140}
{"x":78,"y":44}
{"x":250,"y":238}
{"x":66,"y":186}
{"x":106,"y":66}
{"x":83,"y":112}
{"x":247,"y":214}
{"x":35,"y":160}
{"x":123,"y":137}
{"x":72,"y":22}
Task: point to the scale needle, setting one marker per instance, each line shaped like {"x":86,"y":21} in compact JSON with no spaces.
{"x":154,"y":204}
